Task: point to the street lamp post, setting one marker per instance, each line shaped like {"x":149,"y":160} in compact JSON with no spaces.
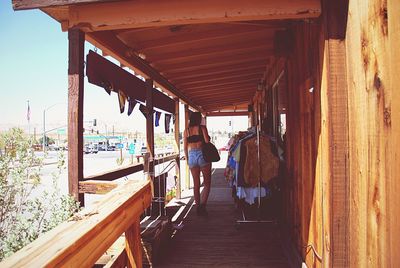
{"x":44,"y":124}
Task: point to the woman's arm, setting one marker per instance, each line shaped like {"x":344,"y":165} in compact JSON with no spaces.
{"x":185,"y":145}
{"x":205,"y":134}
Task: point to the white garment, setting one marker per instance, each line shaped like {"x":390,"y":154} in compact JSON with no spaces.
{"x":250,"y":193}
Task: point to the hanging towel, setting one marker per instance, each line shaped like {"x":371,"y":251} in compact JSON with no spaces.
{"x":143,"y":109}
{"x":122,"y":100}
{"x":167,"y":122}
{"x":173,"y":119}
{"x":132,"y":105}
{"x":157,"y":121}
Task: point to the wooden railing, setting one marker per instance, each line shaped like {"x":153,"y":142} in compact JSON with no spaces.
{"x":102,"y":183}
{"x":81,"y":241}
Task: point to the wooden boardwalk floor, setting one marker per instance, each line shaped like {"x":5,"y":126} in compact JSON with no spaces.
{"x":216,"y":241}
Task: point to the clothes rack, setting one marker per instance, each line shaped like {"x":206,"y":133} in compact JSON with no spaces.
{"x":258,"y":220}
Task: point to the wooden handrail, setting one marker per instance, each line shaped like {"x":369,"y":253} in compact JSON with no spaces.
{"x":121,"y":172}
{"x":81,"y":241}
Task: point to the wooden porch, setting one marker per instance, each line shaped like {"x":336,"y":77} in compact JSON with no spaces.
{"x":329,"y":66}
{"x":216,"y":240}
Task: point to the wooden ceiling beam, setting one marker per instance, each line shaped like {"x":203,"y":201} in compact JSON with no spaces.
{"x":232,"y":96}
{"x":216,"y":77}
{"x":245,"y":85}
{"x":155,"y":13}
{"x":30,"y":4}
{"x":231,"y":47}
{"x":225,"y":92}
{"x":187,"y":39}
{"x":238,"y":113}
{"x":253,"y":66}
{"x":219,"y":105}
{"x":112,"y":46}
{"x":250,"y":80}
{"x":264,"y":50}
{"x":220,"y":79}
{"x":221,"y":62}
{"x":215,"y":38}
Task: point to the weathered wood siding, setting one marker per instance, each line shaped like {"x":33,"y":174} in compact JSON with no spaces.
{"x":372,"y":45}
{"x":306,"y":145}
{"x":342,"y":186}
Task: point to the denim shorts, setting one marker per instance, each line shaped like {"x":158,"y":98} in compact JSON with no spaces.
{"x":196,"y":158}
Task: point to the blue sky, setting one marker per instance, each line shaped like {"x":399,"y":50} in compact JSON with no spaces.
{"x":34,"y":67}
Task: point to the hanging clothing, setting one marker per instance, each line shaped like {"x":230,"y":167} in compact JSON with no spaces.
{"x":121,"y":100}
{"x":269,"y":166}
{"x":157,"y":120}
{"x":143,"y":109}
{"x":132,"y":105}
{"x":167,"y":122}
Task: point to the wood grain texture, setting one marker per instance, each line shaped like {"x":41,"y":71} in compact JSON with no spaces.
{"x":133,"y":245}
{"x":75,"y":111}
{"x":372,"y":152}
{"x":177,"y":134}
{"x":393,"y":185}
{"x":32,"y":4}
{"x":81,"y":241}
{"x":96,"y":187}
{"x":214,"y":241}
{"x":138,"y":14}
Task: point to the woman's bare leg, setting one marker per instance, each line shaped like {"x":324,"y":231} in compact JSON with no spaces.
{"x":207,"y":183}
{"x":196,"y":184}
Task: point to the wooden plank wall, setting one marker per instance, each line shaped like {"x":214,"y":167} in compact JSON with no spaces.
{"x":372,"y":43}
{"x":342,"y":185}
{"x":306,"y":142}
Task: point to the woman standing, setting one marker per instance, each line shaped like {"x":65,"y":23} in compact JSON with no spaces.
{"x":193,"y":140}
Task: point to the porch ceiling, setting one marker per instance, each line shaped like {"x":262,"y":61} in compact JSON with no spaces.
{"x":213,"y":63}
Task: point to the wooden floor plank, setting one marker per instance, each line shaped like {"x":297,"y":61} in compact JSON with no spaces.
{"x":215,"y":240}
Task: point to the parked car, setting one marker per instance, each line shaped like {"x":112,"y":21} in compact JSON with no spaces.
{"x":91,"y":149}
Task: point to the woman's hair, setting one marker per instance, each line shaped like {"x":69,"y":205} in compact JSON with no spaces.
{"x":195,"y":119}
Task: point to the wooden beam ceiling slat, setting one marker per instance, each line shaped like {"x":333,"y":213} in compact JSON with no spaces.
{"x":222,"y":92}
{"x":138,"y":14}
{"x":254,"y":80}
{"x":30,"y":4}
{"x":233,"y":97}
{"x":220,"y":79}
{"x":212,"y":50}
{"x":212,"y":34}
{"x":222,"y":62}
{"x":245,"y":85}
{"x":221,"y":39}
{"x":238,"y":113}
{"x":262,"y":50}
{"x":177,"y":76}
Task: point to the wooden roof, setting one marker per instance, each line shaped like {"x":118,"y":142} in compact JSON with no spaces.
{"x":212,"y":54}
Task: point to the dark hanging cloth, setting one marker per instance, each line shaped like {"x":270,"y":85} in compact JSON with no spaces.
{"x":132,"y":105}
{"x":173,"y":119}
{"x":122,"y":100}
{"x":167,"y":122}
{"x":143,"y":109}
{"x":157,"y":121}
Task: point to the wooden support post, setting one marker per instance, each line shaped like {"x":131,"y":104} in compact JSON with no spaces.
{"x":149,"y":119}
{"x":75,"y":112}
{"x":155,"y":206}
{"x":335,"y":22}
{"x":178,"y":148}
{"x":187,"y":173}
{"x":133,"y":245}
